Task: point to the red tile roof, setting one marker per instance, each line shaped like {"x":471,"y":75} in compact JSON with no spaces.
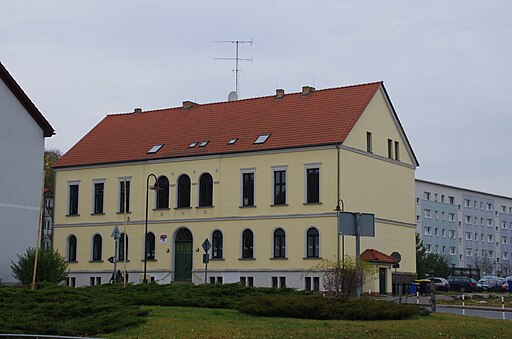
{"x":26,"y":102}
{"x":322,"y":117}
{"x":377,"y":256}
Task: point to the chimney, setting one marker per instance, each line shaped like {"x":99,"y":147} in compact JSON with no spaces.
{"x":306,"y":90}
{"x":279,"y":93}
{"x":137,"y":110}
{"x":188,"y":104}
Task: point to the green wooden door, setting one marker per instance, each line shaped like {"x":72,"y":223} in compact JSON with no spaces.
{"x":382,"y":280}
{"x":183,"y":256}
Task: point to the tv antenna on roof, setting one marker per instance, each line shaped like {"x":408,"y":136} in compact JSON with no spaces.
{"x":236,"y":58}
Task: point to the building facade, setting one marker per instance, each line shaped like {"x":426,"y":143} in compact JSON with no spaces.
{"x":471,"y":229}
{"x":22,"y":134}
{"x":47,"y":219}
{"x":259,"y":178}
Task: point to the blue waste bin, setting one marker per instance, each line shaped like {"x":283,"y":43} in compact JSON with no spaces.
{"x":510,"y":285}
{"x":413,"y":287}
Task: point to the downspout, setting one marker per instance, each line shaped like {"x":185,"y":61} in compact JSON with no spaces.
{"x":338,"y":201}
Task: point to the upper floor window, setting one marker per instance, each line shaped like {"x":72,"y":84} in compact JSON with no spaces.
{"x":247,"y":188}
{"x":426,"y":195}
{"x":428,"y":214}
{"x":73,"y":199}
{"x":217,"y":244}
{"x":96,"y":247}
{"x":184,"y":191}
{"x":390,"y":148}
{"x":397,"y":150}
{"x":247,"y":244}
{"x":150,"y":246}
{"x":279,"y":243}
{"x":205,"y":190}
{"x":451,"y":200}
{"x":99,"y":188}
{"x":467,"y":203}
{"x":162,"y":194}
{"x":312,"y":185}
{"x":451,"y":216}
{"x":72,"y":244}
{"x":369,"y":146}
{"x":124,"y":195}
{"x":489,"y":207}
{"x":279,"y":187}
{"x":313,"y":243}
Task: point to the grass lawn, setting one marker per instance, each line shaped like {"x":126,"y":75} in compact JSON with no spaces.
{"x":187,"y":322}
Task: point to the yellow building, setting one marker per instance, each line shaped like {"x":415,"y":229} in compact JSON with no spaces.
{"x":259,"y":178}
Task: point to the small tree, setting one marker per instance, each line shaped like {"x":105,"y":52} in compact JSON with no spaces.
{"x":339,"y":277}
{"x":51,"y":266}
{"x":430,"y":263}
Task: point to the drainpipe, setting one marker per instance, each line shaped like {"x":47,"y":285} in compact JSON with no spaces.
{"x":337,"y":202}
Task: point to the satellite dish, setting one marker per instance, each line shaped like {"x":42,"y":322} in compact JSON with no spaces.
{"x":232,"y":96}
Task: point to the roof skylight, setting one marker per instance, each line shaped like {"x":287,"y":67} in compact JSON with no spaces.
{"x":262,"y":138}
{"x":155,"y":148}
{"x":204,"y":143}
{"x":193,"y":144}
{"x":232,"y":141}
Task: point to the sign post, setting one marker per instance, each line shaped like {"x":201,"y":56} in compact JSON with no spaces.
{"x":116,"y":235}
{"x":206,"y":247}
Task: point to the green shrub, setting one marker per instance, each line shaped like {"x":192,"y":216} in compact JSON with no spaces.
{"x":313,"y":307}
{"x":51,"y":266}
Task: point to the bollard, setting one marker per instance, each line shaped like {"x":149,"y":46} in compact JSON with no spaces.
{"x":463,"y":310}
{"x":503,"y":306}
{"x":417,"y":297}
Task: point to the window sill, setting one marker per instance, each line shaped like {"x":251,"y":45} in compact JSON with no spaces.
{"x":98,"y":213}
{"x":312,"y":258}
{"x":93,"y":261}
{"x":205,"y":207}
{"x":147,"y":260}
{"x":72,"y":215}
{"x":246,"y":259}
{"x":161,"y":209}
{"x":248,"y":206}
{"x":218,"y":259}
{"x":278,"y":205}
{"x":71,"y":261}
{"x":128,"y":212}
{"x":278,"y":258}
{"x":183,"y":208}
{"x":312,"y":203}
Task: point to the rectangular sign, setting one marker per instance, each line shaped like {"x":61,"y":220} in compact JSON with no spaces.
{"x":348,"y":222}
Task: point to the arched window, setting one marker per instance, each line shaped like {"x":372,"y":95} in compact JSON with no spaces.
{"x":217,"y":244}
{"x":162,"y":195}
{"x":247,"y":244}
{"x":120,"y":248}
{"x":150,"y":246}
{"x":206,"y":190}
{"x":72,"y":248}
{"x":184,"y":191}
{"x":96,"y":247}
{"x":279,"y":243}
{"x":313,"y":243}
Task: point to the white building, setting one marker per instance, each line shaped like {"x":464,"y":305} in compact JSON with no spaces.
{"x":22,"y":134}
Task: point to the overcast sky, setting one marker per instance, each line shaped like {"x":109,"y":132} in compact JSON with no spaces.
{"x":446,"y":65}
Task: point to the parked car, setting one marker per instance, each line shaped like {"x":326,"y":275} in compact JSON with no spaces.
{"x":462,"y":284}
{"x":504,"y":286}
{"x":441,"y":283}
{"x":491,"y":283}
{"x":479,"y":287}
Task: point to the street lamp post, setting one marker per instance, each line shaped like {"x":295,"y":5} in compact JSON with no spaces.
{"x":156,"y":188}
{"x":339,"y":209}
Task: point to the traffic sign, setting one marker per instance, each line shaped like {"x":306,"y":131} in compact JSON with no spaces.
{"x":115,"y":233}
{"x":206,"y":245}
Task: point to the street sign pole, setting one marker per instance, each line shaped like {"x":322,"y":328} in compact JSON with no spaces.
{"x":116,"y":235}
{"x":358,"y":257}
{"x":206,"y":247}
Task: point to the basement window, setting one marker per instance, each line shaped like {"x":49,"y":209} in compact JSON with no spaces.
{"x":204,"y":143}
{"x":232,"y":141}
{"x":155,"y":148}
{"x":192,"y":145}
{"x":262,"y":138}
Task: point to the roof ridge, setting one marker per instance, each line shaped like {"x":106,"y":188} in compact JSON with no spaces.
{"x":246,"y":99}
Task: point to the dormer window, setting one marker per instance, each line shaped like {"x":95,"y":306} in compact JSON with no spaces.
{"x":232,"y":141}
{"x":262,"y":138}
{"x":155,"y":149}
{"x":204,"y":143}
{"x":192,"y":145}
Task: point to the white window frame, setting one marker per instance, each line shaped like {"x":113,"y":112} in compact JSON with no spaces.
{"x":72,"y":183}
{"x":93,"y":195}
{"x":428,"y":214}
{"x":504,"y":240}
{"x":242,"y":172}
{"x":451,"y":234}
{"x":426,"y":195}
{"x":469,"y":252}
{"x":489,"y":206}
{"x":317,"y":165}
{"x":468,"y":235}
{"x":428,"y":230}
{"x":489,"y":238}
{"x":467,"y":203}
{"x":451,"y":217}
{"x":120,"y":180}
{"x":452,"y":251}
{"x":278,"y":169}
{"x":467,"y":220}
